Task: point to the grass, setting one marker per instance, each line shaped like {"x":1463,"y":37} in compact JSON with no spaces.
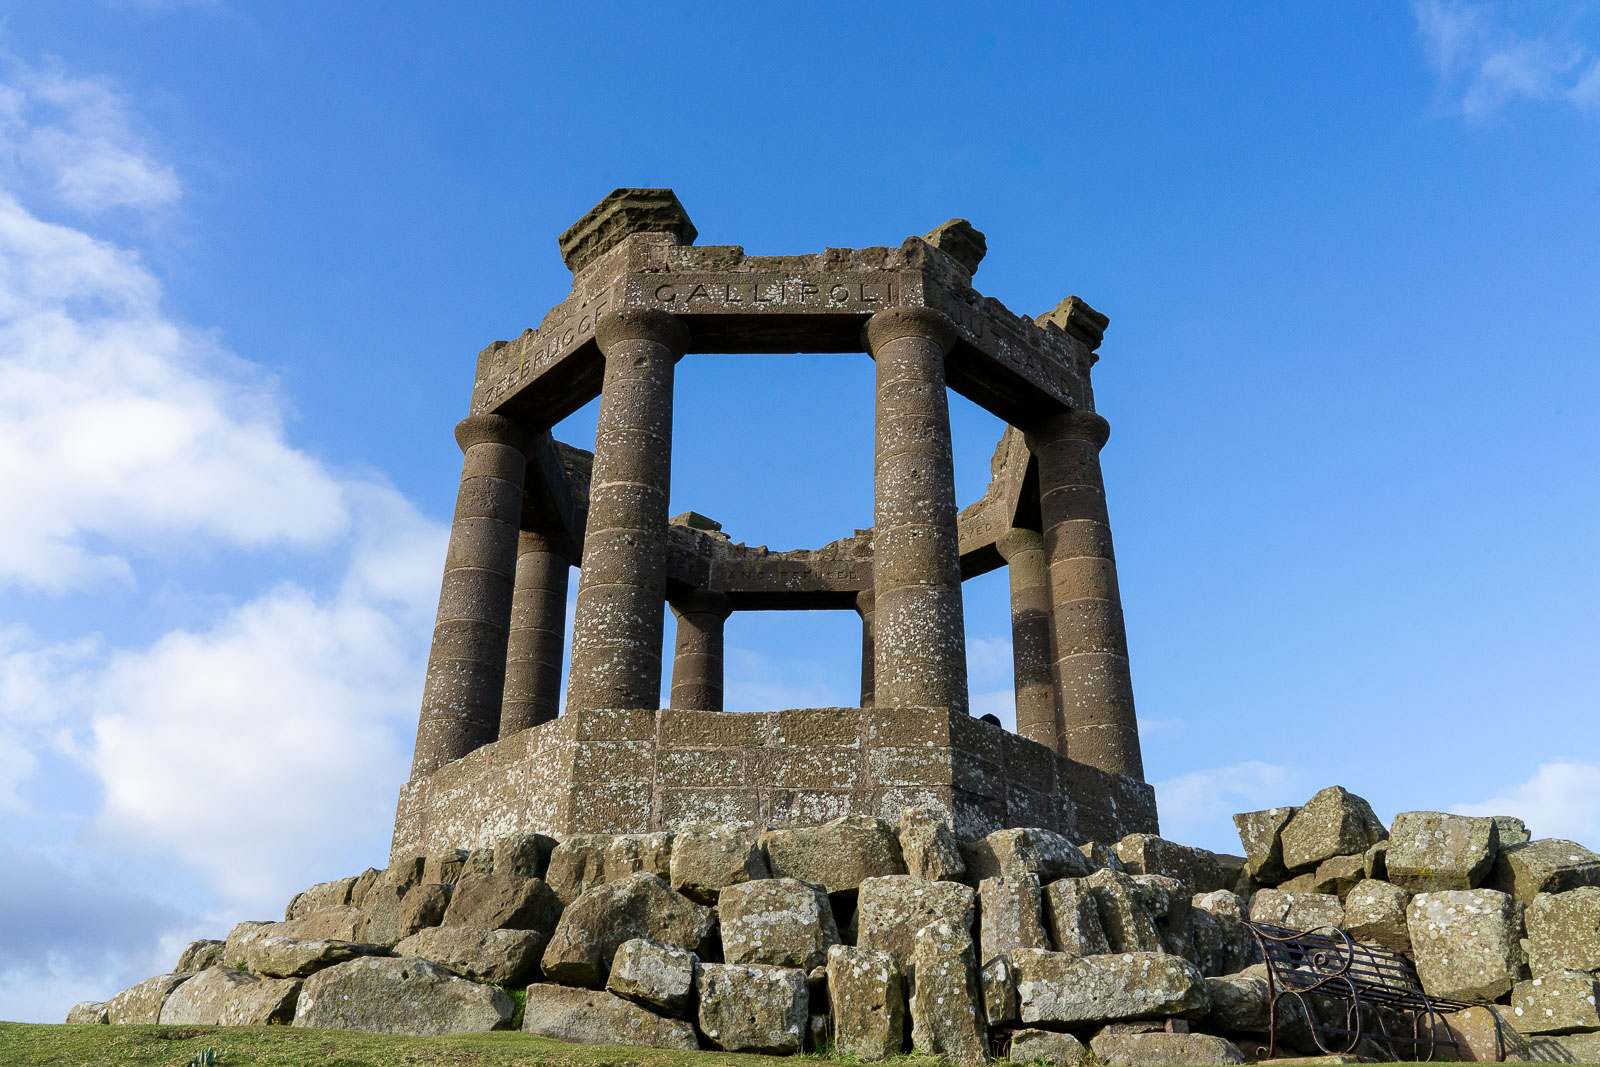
{"x":283,"y":1046}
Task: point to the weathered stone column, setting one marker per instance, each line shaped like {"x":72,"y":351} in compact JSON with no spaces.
{"x":1023,"y":551}
{"x":920,"y":643}
{"x":538,"y":630}
{"x":467,"y":663}
{"x":616,"y":636}
{"x":864,"y":608}
{"x":697,"y":652}
{"x":1089,"y":642}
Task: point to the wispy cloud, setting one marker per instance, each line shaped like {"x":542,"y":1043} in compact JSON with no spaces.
{"x":1558,"y":800}
{"x":1488,"y":55}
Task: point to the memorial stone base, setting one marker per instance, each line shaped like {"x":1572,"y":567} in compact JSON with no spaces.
{"x":643,"y":771}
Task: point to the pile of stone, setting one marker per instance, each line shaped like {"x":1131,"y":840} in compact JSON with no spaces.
{"x":873,"y":939}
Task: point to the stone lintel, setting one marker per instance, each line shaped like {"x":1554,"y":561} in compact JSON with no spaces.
{"x":555,"y":495}
{"x":642,"y":771}
{"x":732,"y":302}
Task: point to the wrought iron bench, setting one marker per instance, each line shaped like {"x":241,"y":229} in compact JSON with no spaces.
{"x":1372,"y":984}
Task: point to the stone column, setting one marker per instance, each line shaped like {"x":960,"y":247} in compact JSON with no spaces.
{"x":616,"y":637}
{"x":467,"y":663}
{"x":920,"y":644}
{"x":1023,"y":551}
{"x":864,"y":608}
{"x":1089,"y":642}
{"x":538,"y":630}
{"x":697,"y":653}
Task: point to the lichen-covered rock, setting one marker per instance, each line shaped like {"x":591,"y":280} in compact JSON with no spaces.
{"x":88,"y":1013}
{"x":340,"y":923}
{"x":1027,"y":850}
{"x":595,"y":925}
{"x":1163,"y":1050}
{"x":1548,"y":865}
{"x":405,"y":995}
{"x":498,"y":957}
{"x":1339,"y":875}
{"x":200,"y":955}
{"x":866,"y":989}
{"x":783,"y":922}
{"x":1260,"y":832}
{"x":1375,"y":862}
{"x":1073,"y":914}
{"x":631,"y":853}
{"x":502,"y":902}
{"x":947,"y":1004}
{"x":892,"y":908}
{"x":928,"y":846}
{"x":1562,"y":1002}
{"x":1239,"y":1004}
{"x":265,"y":953}
{"x":1335,"y":822}
{"x":480,"y":860}
{"x":751,"y":1008}
{"x":1465,"y":941}
{"x":380,"y":924}
{"x":225,"y":996}
{"x":332,"y":894}
{"x":1565,"y":1048}
{"x":232,"y":948}
{"x":837,"y":855}
{"x":1564,"y":931}
{"x":1430,"y":851}
{"x":658,"y":976}
{"x":1376,"y":911}
{"x":1126,"y":917}
{"x":1511,"y":831}
{"x":1296,"y":911}
{"x":1063,"y":1050}
{"x":1484,"y":1034}
{"x":998,"y":980}
{"x":140,"y":1005}
{"x":1060,"y":989}
{"x":708,"y":859}
{"x":523,"y":854}
{"x":403,"y":872}
{"x":595,"y":1017}
{"x":444,"y":868}
{"x":1196,"y":869}
{"x":364,"y":883}
{"x":1010,"y":916}
{"x":1222,"y":903}
{"x":1101,"y":856}
{"x":1222,"y":943}
{"x":577,"y":864}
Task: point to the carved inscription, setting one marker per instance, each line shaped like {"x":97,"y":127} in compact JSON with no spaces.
{"x":695,"y":294}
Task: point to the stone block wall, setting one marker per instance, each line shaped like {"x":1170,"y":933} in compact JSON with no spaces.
{"x":639,"y":771}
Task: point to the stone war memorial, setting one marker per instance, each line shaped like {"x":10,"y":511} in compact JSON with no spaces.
{"x":860,"y":882}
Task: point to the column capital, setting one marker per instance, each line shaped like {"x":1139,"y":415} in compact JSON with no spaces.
{"x":866,"y":602}
{"x":1079,"y":424}
{"x":702,"y":602}
{"x":642,"y":324}
{"x":1017,"y":540}
{"x":491,"y":429}
{"x":894,"y":323}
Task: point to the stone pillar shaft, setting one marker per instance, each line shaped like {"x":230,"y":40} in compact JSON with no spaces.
{"x":919,"y":640}
{"x":697,"y":652}
{"x":616,"y":636}
{"x":538,"y":631}
{"x":467,"y":662}
{"x":1037,"y":712}
{"x":864,"y":608}
{"x":1089,"y":641}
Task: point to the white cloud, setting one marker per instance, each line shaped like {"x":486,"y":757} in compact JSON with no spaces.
{"x":1484,"y":59}
{"x":1560,"y":800}
{"x":1198,"y":808}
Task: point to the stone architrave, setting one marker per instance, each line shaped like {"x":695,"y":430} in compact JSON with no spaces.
{"x":1037,"y":715}
{"x":1089,"y":639}
{"x":461,"y":694}
{"x":697,"y":651}
{"x":920,"y":641}
{"x":538,"y":631}
{"x":616,"y":635}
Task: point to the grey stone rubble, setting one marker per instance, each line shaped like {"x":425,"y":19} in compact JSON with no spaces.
{"x":1135,"y":967}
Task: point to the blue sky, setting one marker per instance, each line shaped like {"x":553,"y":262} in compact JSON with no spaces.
{"x":249,"y":252}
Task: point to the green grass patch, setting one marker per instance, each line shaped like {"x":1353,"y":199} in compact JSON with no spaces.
{"x":283,"y":1046}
